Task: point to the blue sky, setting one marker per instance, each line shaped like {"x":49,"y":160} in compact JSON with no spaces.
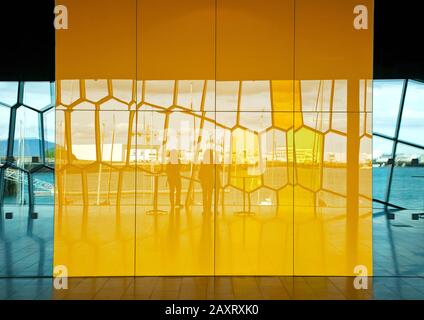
{"x":386,"y":102}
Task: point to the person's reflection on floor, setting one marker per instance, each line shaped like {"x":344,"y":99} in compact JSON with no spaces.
{"x":206,"y":178}
{"x":173,"y":168}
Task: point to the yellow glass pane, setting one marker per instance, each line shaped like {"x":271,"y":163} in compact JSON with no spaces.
{"x":255,"y":221}
{"x":95,"y":172}
{"x":175,"y":235}
{"x":254,"y":40}
{"x":173,"y":161}
{"x":176,"y":39}
{"x":328,"y":46}
{"x":254,"y":46}
{"x":100,"y":41}
{"x":283,"y":93}
{"x":332,"y":200}
{"x":332,"y":193}
{"x":95,"y":199}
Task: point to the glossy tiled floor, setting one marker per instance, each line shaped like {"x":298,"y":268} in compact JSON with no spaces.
{"x":26,"y":245}
{"x":27,"y":249}
{"x":398,"y":254}
{"x":211,"y":288}
{"x":398,"y":244}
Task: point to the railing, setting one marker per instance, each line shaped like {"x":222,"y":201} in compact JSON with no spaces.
{"x":14,"y":175}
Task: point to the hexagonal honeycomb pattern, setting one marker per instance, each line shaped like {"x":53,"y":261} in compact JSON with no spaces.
{"x":115,"y":138}
{"x":254,"y":128}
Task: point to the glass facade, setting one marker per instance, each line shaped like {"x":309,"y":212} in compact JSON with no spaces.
{"x":398,"y":151}
{"x":27,"y":148}
{"x":398,"y":178}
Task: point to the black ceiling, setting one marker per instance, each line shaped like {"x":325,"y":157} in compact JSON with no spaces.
{"x":398,"y":39}
{"x":27,"y":40}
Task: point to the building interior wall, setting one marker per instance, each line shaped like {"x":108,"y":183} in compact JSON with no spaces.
{"x":278,"y":94}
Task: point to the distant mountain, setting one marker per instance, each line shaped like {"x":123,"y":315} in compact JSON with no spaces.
{"x":31,"y":147}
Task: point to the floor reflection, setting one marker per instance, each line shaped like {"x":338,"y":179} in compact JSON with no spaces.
{"x":213,"y":288}
{"x":398,"y":243}
{"x":190,"y":242}
{"x":26,"y":243}
{"x":26,"y":288}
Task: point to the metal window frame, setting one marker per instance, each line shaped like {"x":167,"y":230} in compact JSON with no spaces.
{"x":10,"y":162}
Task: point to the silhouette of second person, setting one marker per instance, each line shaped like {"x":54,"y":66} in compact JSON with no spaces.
{"x":209,"y":181}
{"x":173,"y":172}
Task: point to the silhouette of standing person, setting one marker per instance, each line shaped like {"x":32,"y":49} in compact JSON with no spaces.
{"x":173,"y":172}
{"x":207,"y":179}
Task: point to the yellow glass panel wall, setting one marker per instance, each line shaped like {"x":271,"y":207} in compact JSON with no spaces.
{"x":175,"y":127}
{"x":199,"y":138}
{"x":254,"y":98}
{"x":332,"y":193}
{"x":95,"y":129}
